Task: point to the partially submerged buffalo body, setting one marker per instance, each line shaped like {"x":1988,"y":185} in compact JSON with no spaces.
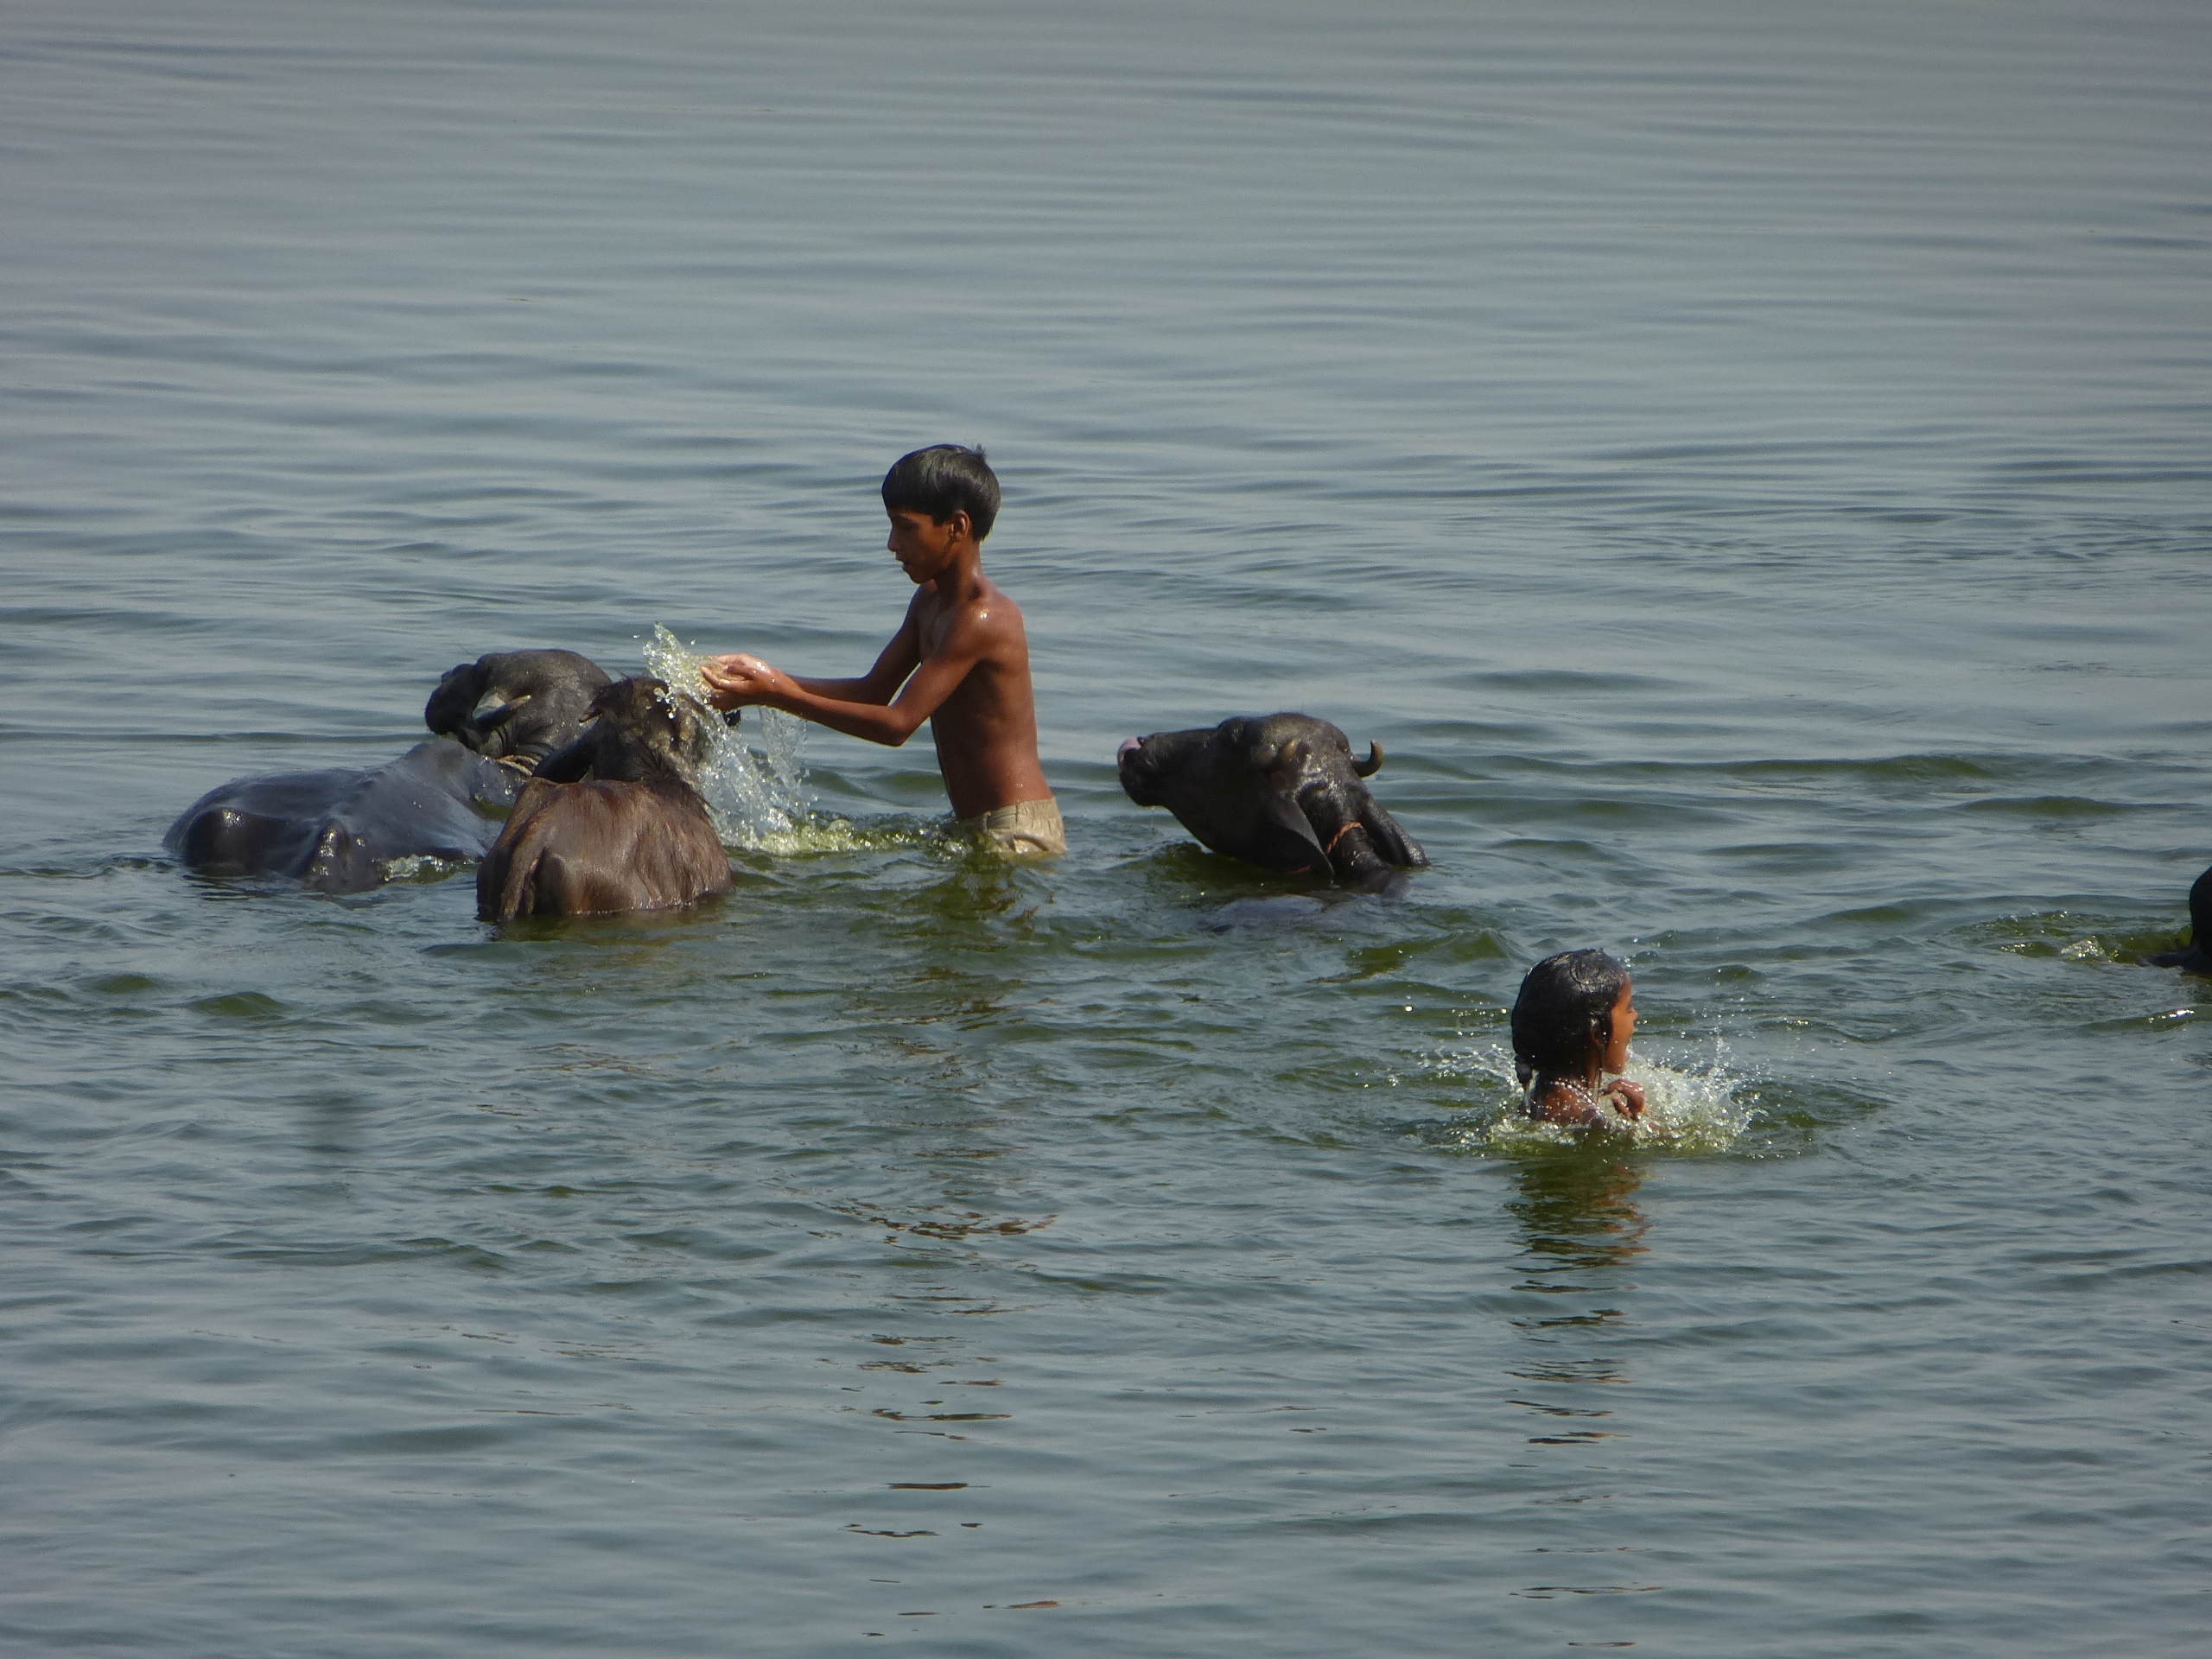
{"x":342,"y":829}
{"x":2195,"y":957}
{"x":1282,"y":791}
{"x":614,"y":821}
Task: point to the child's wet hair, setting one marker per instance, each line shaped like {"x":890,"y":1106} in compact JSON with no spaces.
{"x":943,"y":480}
{"x":1565,"y":1003}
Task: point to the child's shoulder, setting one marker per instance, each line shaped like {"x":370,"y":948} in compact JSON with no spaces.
{"x":983,"y":603}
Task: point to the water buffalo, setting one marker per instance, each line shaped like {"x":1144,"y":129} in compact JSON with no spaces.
{"x":340,"y":830}
{"x":516,"y":706}
{"x":614,"y":821}
{"x":2195,"y":957}
{"x":1282,"y":791}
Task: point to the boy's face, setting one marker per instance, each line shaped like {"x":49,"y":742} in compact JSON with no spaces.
{"x":924,"y":547}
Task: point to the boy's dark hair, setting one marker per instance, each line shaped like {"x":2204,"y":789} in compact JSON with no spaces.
{"x":943,"y":480}
{"x":1565,"y":1003}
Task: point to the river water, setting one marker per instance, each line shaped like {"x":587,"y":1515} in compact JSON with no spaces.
{"x":1751,"y":467}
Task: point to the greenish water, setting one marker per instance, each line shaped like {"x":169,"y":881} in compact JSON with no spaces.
{"x":1748,"y":471}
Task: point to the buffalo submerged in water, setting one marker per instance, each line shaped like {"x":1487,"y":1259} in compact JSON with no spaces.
{"x":614,"y":821}
{"x":2195,"y":956}
{"x":1282,"y":791}
{"x":343,"y":829}
{"x":340,"y":830}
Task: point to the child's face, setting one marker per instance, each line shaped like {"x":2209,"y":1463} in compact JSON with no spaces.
{"x":922,"y":546}
{"x":1616,"y":1057}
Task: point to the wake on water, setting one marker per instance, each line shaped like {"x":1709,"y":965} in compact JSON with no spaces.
{"x":1684,"y":1111}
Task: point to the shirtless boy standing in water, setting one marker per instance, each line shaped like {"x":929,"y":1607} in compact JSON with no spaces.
{"x":960,"y":661}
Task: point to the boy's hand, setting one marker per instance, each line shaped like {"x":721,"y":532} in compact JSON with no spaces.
{"x":1628,"y":1097}
{"x":735,"y":680}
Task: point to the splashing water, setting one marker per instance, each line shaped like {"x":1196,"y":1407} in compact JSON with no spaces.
{"x":758,"y":798}
{"x":1684,"y":1110}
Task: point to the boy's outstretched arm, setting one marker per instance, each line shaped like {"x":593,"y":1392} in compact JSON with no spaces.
{"x":879,"y":685}
{"x":736,"y":681}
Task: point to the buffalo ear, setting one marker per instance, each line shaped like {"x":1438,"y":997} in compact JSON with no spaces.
{"x":1396,"y":846}
{"x":493,"y":711}
{"x":1283,"y":839}
{"x":460,"y":687}
{"x":691,"y":718}
{"x":691,"y":723}
{"x":569,"y":763}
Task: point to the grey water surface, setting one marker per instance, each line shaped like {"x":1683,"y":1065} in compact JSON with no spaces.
{"x":1750,"y":467}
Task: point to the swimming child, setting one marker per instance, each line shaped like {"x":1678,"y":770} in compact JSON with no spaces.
{"x":1571,"y":1026}
{"x":960,"y":661}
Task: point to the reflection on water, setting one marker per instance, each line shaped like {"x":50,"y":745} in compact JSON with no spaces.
{"x":1580,"y":1232}
{"x":1576,"y":1217}
{"x":1581,"y":1235}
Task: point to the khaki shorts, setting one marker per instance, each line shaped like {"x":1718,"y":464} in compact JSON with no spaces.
{"x":1026,"y":829}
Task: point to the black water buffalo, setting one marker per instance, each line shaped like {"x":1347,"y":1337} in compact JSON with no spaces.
{"x":516,"y":706}
{"x":614,"y":821}
{"x":1282,"y":791}
{"x":342,"y":829}
{"x":2195,"y":957}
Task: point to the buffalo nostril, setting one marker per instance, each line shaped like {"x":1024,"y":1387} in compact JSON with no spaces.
{"x":1129,"y":747}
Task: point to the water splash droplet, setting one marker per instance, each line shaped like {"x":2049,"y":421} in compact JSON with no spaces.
{"x":1686,"y":1109}
{"x":758,"y":798}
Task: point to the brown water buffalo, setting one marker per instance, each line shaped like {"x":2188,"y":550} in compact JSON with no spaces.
{"x":516,"y":706}
{"x":614,"y":821}
{"x":2195,"y":957}
{"x":1282,"y":791}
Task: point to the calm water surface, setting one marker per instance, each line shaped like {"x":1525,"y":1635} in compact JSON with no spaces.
{"x":1751,"y":469}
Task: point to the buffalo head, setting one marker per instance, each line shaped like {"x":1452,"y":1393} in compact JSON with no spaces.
{"x":637,"y":731}
{"x":516,"y":706}
{"x":1282,"y":791}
